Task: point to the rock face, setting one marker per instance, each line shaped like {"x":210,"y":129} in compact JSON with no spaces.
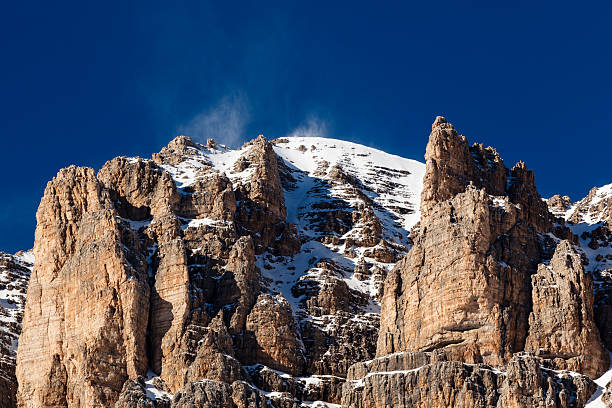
{"x":86,"y":316}
{"x":590,"y":222}
{"x":479,"y":286}
{"x":418,"y":379}
{"x":464,"y":286}
{"x":561,"y":325}
{"x":271,"y":336}
{"x":14,"y":274}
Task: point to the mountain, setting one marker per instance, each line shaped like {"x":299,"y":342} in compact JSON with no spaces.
{"x":206,"y":262}
{"x":315,"y":272}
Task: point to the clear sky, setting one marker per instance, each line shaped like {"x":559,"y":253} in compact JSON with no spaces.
{"x":82,"y":82}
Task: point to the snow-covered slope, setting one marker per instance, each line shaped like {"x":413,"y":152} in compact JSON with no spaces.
{"x":326,"y":181}
{"x":594,"y":208}
{"x":14,"y":275}
{"x":393,"y":182}
{"x":596,"y":399}
{"x":321,"y":175}
{"x":589,"y":219}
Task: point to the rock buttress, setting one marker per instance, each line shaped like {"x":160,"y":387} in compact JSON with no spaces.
{"x":465,"y":286}
{"x":86,"y":312}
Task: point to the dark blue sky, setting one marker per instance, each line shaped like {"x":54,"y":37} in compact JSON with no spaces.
{"x":82,"y":82}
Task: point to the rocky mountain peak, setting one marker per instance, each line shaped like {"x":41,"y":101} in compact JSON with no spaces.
{"x":595,"y":207}
{"x":192,"y":265}
{"x":440,"y":122}
{"x":464,"y":288}
{"x":211,"y":143}
{"x":558,"y":205}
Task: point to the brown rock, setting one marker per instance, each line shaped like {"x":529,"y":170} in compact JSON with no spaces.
{"x":561,"y":325}
{"x":429,"y":380}
{"x":86,"y":315}
{"x":559,"y":205}
{"x":271,"y":336}
{"x":528,"y":384}
{"x":176,"y":151}
{"x":215,"y":356}
{"x":214,"y":394}
{"x":134,"y":395}
{"x":464,"y":285}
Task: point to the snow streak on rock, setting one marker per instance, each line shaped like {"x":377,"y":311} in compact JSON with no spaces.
{"x":14,"y":274}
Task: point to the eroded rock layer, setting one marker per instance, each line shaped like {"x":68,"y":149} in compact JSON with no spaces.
{"x":464,"y":286}
{"x":430,"y":379}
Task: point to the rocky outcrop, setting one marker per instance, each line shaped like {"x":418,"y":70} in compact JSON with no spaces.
{"x":590,"y":220}
{"x":479,"y":286}
{"x":271,"y":336}
{"x":85,"y":321}
{"x":561,"y":324}
{"x":528,"y":384}
{"x":464,"y":286}
{"x":134,"y":395}
{"x":595,"y":207}
{"x":418,"y":379}
{"x":154,"y":268}
{"x":558,"y":205}
{"x":123,"y":285}
{"x":215,"y":358}
{"x":261,"y":212}
{"x":213,"y":394}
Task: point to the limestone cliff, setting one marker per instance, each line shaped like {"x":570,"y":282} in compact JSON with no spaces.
{"x":464,"y":286}
{"x":479,"y":287}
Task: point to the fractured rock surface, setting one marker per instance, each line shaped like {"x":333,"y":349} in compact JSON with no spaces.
{"x":479,"y":287}
{"x":429,"y":379}
{"x":464,"y":286}
{"x":561,"y":325}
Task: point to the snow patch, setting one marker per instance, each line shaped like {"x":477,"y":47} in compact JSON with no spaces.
{"x":595,"y":400}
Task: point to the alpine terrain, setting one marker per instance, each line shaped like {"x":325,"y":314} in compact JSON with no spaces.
{"x":309,"y":272}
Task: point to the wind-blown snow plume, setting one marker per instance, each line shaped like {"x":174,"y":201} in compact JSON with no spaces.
{"x":225,"y":122}
{"x":314,"y":126}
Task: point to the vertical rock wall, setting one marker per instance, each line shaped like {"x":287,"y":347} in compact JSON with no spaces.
{"x":464,"y":286}
{"x":85,"y":321}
